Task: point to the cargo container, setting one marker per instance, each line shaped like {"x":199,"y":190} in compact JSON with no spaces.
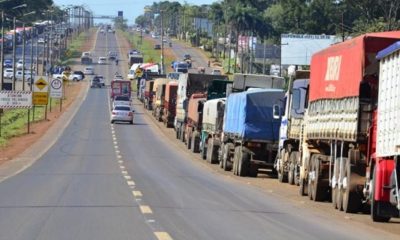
{"x":171,"y":90}
{"x":339,"y":150}
{"x":289,"y":155}
{"x":188,"y":84}
{"x":120,"y":88}
{"x":213,"y":118}
{"x":242,"y":82}
{"x":385,"y":196}
{"x":159,"y":93}
{"x":251,"y":130}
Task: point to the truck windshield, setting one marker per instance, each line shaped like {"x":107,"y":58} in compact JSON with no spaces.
{"x":296,"y":100}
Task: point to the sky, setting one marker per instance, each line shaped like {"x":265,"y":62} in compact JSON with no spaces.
{"x":131,"y":8}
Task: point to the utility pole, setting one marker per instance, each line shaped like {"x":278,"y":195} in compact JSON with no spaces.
{"x":2,"y":50}
{"x":23,"y":55}
{"x":14,"y":52}
{"x":162,"y":42}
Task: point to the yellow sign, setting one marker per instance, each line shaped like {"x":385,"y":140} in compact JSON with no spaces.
{"x":41,"y":83}
{"x":138,"y":72}
{"x":39,"y":98}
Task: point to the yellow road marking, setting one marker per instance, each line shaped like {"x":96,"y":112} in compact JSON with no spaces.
{"x":163,"y":236}
{"x":137,"y":194}
{"x":131,"y":183}
{"x":145,"y":209}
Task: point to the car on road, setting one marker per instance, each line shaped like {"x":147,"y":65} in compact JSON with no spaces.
{"x":102,"y":60}
{"x":89,"y":70}
{"x":122,"y":113}
{"x":95,"y":83}
{"x":78,"y":76}
{"x":20,"y":63}
{"x":101,"y":79}
{"x":122,"y":101}
{"x":28,"y":76}
{"x":112,"y":55}
{"x":187,"y":57}
{"x":157,"y":46}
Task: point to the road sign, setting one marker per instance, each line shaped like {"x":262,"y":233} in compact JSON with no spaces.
{"x":15,"y":99}
{"x":40,"y":85}
{"x":40,"y":91}
{"x":40,"y":98}
{"x":56,"y":88}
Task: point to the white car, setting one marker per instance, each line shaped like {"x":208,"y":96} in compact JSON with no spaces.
{"x":102,"y":60}
{"x":122,"y":113}
{"x":88,"y":70}
{"x":41,"y":41}
{"x":28,"y":77}
{"x":122,"y":101}
{"x":8,"y":73}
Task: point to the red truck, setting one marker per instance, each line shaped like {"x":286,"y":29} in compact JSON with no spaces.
{"x":339,"y":158}
{"x":169,"y":109}
{"x":120,"y":88}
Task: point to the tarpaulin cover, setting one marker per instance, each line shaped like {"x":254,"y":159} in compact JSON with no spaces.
{"x":250,"y":114}
{"x":336,"y":72}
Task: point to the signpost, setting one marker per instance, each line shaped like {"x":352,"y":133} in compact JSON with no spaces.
{"x":56,"y":88}
{"x":40,"y":92}
{"x":15,"y":99}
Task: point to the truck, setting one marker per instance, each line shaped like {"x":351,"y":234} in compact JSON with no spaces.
{"x":289,"y":155}
{"x":134,"y":56}
{"x":340,"y":157}
{"x":250,"y":134}
{"x":120,"y":88}
{"x":211,"y":133}
{"x":86,"y":58}
{"x":148,"y":94}
{"x":385,"y":181}
{"x":169,"y":109}
{"x":188,"y":84}
{"x":159,"y":93}
{"x":182,"y":67}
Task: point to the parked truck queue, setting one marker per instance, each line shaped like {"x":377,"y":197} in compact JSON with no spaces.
{"x":331,"y":130}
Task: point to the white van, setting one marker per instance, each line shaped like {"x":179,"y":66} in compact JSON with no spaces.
{"x":132,"y":71}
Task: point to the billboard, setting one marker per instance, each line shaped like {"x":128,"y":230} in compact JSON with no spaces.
{"x":297,"y":49}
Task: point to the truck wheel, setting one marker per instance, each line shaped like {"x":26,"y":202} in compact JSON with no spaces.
{"x":292,"y":169}
{"x":302,"y":187}
{"x":315,"y":192}
{"x":339,"y":192}
{"x":195,"y":142}
{"x":226,"y":161}
{"x":253,"y":171}
{"x":282,"y":175}
{"x":244,"y":163}
{"x":181,"y":135}
{"x":188,"y":140}
{"x":177,"y":133}
{"x":352,"y":202}
{"x":212,"y":151}
{"x":375,"y":205}
{"x":335,"y":189}
{"x":203,"y":151}
{"x":235,"y":162}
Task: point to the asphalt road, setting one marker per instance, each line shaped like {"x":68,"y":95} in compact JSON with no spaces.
{"x":121,"y":181}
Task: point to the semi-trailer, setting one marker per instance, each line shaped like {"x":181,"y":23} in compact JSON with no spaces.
{"x":159,"y":93}
{"x":169,"y":109}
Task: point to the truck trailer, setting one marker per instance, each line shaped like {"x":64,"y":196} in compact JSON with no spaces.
{"x":171,"y":90}
{"x":188,"y":84}
{"x":339,"y":147}
{"x":251,"y":130}
{"x":159,"y":93}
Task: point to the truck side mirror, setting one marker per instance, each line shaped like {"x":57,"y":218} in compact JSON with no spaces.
{"x":276,"y":111}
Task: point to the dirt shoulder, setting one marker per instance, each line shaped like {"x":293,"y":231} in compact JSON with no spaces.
{"x":19,"y":144}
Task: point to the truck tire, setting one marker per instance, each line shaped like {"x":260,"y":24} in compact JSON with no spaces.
{"x":226,"y":160}
{"x":235,"y":162}
{"x":292,"y":163}
{"x":335,"y":189}
{"x":315,"y":192}
{"x":212,"y":151}
{"x":303,"y":187}
{"x":181,"y":135}
{"x":282,"y":175}
{"x":244,"y":163}
{"x":195,"y":142}
{"x":352,"y":201}
{"x":203,"y":151}
{"x":177,"y":133}
{"x":375,"y":205}
{"x":189,"y":140}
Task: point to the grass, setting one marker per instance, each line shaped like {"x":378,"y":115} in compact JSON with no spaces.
{"x":14,"y":121}
{"x":74,"y":48}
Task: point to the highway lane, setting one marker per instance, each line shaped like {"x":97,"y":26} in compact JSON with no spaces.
{"x":76,"y":190}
